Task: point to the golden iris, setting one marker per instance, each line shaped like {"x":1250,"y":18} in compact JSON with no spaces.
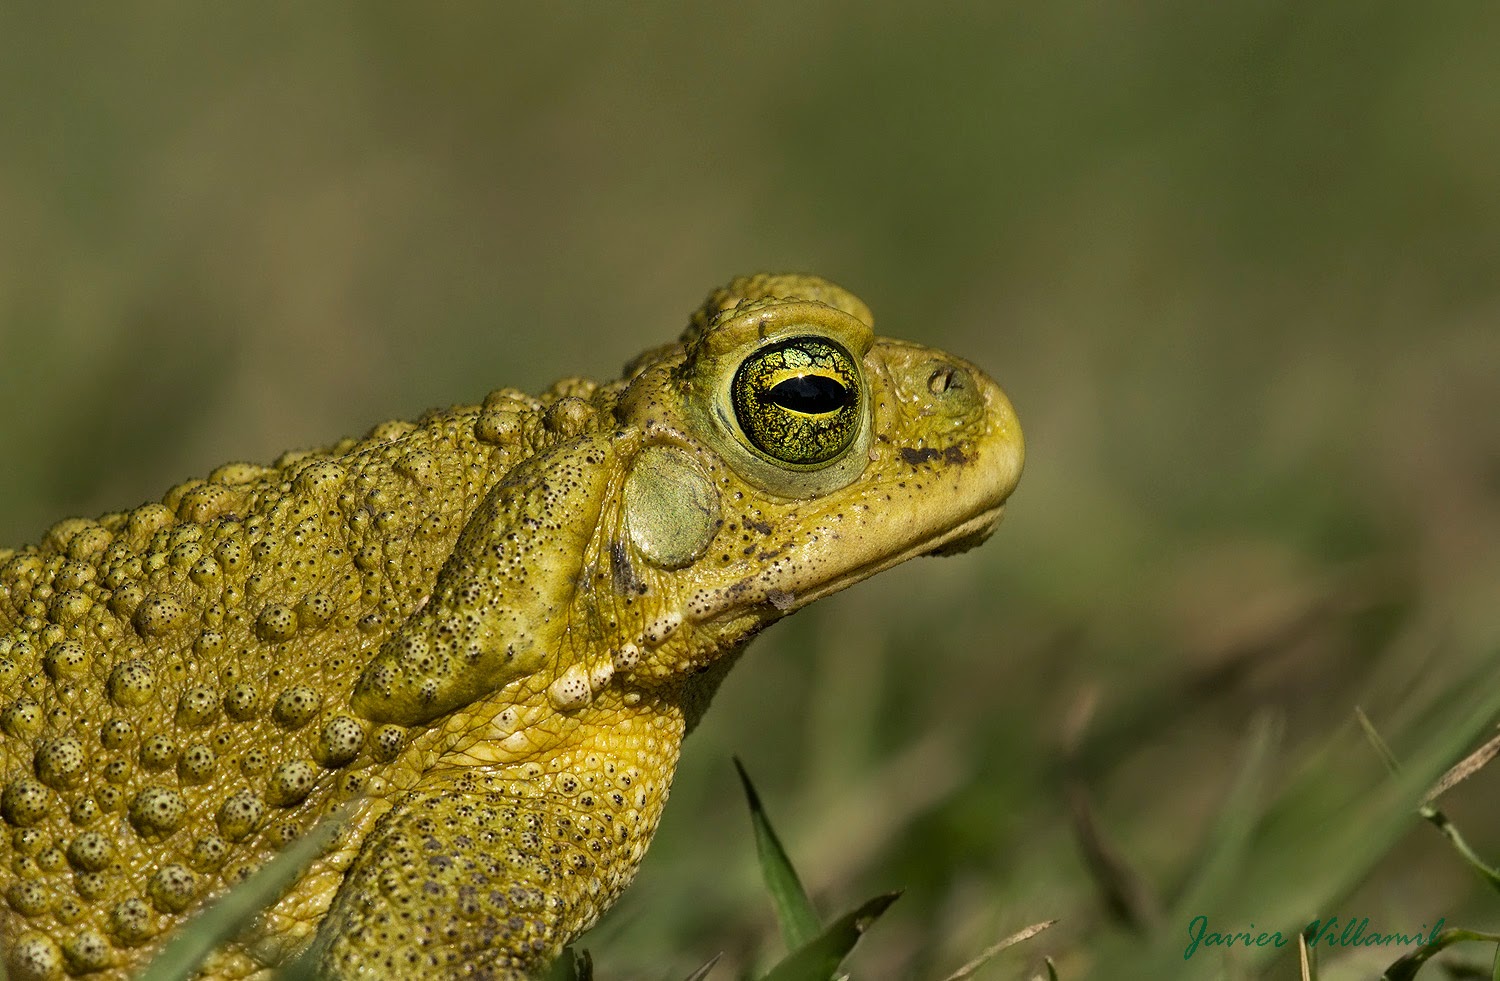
{"x":798,"y":400}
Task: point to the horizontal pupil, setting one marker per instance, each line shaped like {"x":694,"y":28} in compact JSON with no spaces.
{"x":811,"y":394}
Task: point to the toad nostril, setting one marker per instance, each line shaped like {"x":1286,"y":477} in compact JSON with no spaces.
{"x":944,"y":379}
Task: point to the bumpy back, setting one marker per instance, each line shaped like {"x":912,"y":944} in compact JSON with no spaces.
{"x":174,"y":681}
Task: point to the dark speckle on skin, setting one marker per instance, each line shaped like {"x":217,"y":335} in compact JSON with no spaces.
{"x":953,"y":455}
{"x":759,"y":526}
{"x":624,"y":572}
{"x":918,"y":457}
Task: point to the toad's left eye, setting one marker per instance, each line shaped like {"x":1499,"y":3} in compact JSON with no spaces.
{"x":797,"y":401}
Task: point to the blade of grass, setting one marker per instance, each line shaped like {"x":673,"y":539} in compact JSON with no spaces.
{"x":702,"y":971}
{"x":225,"y":917}
{"x":1382,"y":749}
{"x":1229,"y":840}
{"x":818,"y":959}
{"x":1023,"y":934}
{"x":1406,"y":968}
{"x":1126,"y":894}
{"x":1440,"y":821}
{"x":794,"y":911}
{"x":1429,"y":810}
{"x":1466,"y":768}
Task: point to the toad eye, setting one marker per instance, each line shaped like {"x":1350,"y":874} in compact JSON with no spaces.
{"x":797,"y":401}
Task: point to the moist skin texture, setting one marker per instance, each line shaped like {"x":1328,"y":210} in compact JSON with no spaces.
{"x":479,"y":637}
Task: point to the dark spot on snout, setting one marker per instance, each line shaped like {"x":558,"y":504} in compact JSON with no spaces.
{"x":952,"y":455}
{"x":781,"y":599}
{"x":625,"y":579}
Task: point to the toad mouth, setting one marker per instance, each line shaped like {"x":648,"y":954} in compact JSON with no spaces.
{"x":728,"y":602}
{"x":949,"y":541}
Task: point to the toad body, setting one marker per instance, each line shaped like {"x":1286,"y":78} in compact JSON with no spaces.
{"x":479,"y":637}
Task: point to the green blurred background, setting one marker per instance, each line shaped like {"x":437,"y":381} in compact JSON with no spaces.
{"x":1235,"y":263}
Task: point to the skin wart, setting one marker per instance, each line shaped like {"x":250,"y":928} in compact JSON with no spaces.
{"x":480,"y":637}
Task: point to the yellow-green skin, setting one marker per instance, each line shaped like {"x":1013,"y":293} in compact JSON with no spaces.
{"x":485,"y":633}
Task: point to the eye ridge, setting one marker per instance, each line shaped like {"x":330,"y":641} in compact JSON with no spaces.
{"x":811,"y":394}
